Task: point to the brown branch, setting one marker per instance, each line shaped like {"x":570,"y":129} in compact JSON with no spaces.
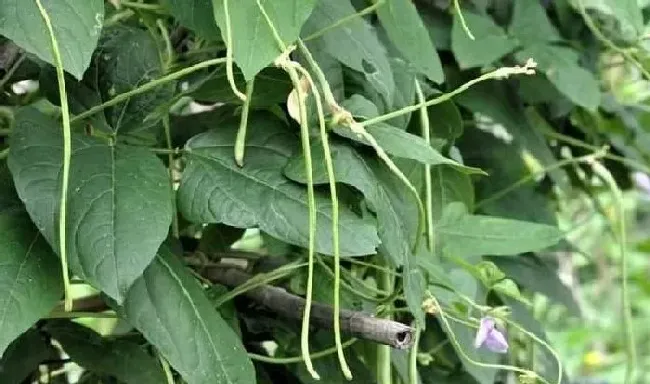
{"x":277,"y":300}
{"x":358,"y":324}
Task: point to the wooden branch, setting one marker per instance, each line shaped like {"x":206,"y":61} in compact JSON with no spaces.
{"x":289,"y":306}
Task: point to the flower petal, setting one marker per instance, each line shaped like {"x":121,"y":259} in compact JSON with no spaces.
{"x":496,"y":341}
{"x":484,"y":329}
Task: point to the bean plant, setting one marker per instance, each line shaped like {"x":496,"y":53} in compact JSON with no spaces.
{"x":301,"y":191}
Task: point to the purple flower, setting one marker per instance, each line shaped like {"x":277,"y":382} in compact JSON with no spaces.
{"x":490,"y":337}
{"x":642,"y":181}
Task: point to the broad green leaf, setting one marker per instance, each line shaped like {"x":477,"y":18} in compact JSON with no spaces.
{"x":530,"y":24}
{"x":272,"y":86}
{"x":406,"y":30}
{"x":30,"y":280}
{"x":464,"y":235}
{"x":490,"y":44}
{"x":125,"y":360}
{"x":197,"y":15}
{"x":24,"y":355}
{"x":560,"y":65}
{"x":77,"y":25}
{"x":352,"y":168}
{"x":171,"y":310}
{"x":403,"y":144}
{"x":119,"y":200}
{"x":445,"y":121}
{"x":254,"y":45}
{"x":215,"y":190}
{"x":438,"y":25}
{"x":126,"y":59}
{"x":537,"y":276}
{"x":450,"y":185}
{"x":355,"y":45}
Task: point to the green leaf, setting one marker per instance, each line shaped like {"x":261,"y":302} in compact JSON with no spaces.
{"x":450,"y":185}
{"x":254,"y":46}
{"x":197,"y":15}
{"x":125,"y":59}
{"x":403,"y":144}
{"x":628,"y":13}
{"x":530,"y":24}
{"x":360,"y":172}
{"x":30,"y":279}
{"x":125,"y":360}
{"x":355,"y":45}
{"x":77,"y":25}
{"x":272,"y":86}
{"x":172,"y":312}
{"x":215,"y":190}
{"x":463,"y":235}
{"x":560,"y":65}
{"x":445,"y":121}
{"x":490,"y":44}
{"x":406,"y":30}
{"x":119,"y":200}
{"x":24,"y":355}
{"x":537,"y":276}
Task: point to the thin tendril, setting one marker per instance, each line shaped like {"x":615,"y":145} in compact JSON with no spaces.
{"x":67,"y":154}
{"x":413,"y":354}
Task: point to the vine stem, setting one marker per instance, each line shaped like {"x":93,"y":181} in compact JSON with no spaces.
{"x":4,"y":153}
{"x":229,"y":48}
{"x":628,"y":329}
{"x":531,"y":176}
{"x":240,"y":141}
{"x":147,"y":87}
{"x":498,"y":74}
{"x":298,"y":359}
{"x":462,"y":20}
{"x":166,"y":368}
{"x":368,"y":10}
{"x":385,"y":281}
{"x":461,"y":351}
{"x":426,"y":134}
{"x":607,"y":42}
{"x":413,"y":354}
{"x":67,"y":154}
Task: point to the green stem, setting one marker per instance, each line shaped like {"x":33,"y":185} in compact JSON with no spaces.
{"x":581,"y":144}
{"x":143,"y":6}
{"x":628,"y":329}
{"x":81,"y":315}
{"x":165,"y":366}
{"x":531,"y":176}
{"x":229,"y":48}
{"x":497,"y":74}
{"x":462,"y":20}
{"x":170,"y":160}
{"x":147,"y":87}
{"x":607,"y":42}
{"x":345,"y":20}
{"x":385,"y":281}
{"x":413,"y":354}
{"x":426,"y":134}
{"x":67,"y":154}
{"x":169,"y":50}
{"x":4,"y":153}
{"x":240,"y":141}
{"x":298,"y":359}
